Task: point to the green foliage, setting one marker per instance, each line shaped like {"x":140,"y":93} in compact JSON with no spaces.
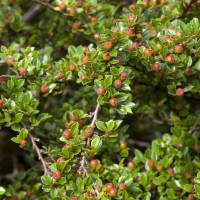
{"x":81,"y":79}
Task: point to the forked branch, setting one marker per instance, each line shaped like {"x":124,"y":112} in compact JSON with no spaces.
{"x":37,"y":149}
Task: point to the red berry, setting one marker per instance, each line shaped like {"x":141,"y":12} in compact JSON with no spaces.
{"x":76,"y":26}
{"x":96,"y":35}
{"x":88,"y":132}
{"x":79,"y":2}
{"x":169,"y":59}
{"x":56,"y":175}
{"x":62,"y":6}
{"x":1,"y":103}
{"x":156,"y":67}
{"x":85,"y":48}
{"x":113,"y":102}
{"x":190,"y":197}
{"x":117,"y":83}
{"x":188,"y":71}
{"x":134,"y":45}
{"x":147,"y":52}
{"x":22,"y":71}
{"x":170,"y":171}
{"x":167,"y":38}
{"x":197,"y":147}
{"x":99,"y":188}
{"x":29,"y":193}
{"x":131,"y":18}
{"x":178,"y":48}
{"x":100,"y":91}
{"x":159,"y":167}
{"x":94,"y":163}
{"x":109,"y":187}
{"x":123,"y":75}
{"x":115,"y":30}
{"x":107,"y":45}
{"x":84,"y":76}
{"x":60,"y":160}
{"x":60,"y":75}
{"x":179,"y":92}
{"x":72,"y":11}
{"x":140,"y":36}
{"x":73,"y":117}
{"x":145,"y":3}
{"x":153,"y":33}
{"x":150,"y":163}
{"x":67,"y":135}
{"x":123,"y":145}
{"x":44,"y":88}
{"x":85,"y":59}
{"x":9,"y":61}
{"x":129,"y":32}
{"x":113,"y":192}
{"x":122,"y":186}
{"x":101,"y":168}
{"x":72,"y":67}
{"x":137,"y":179}
{"x":162,"y":1}
{"x":73,"y":198}
{"x":178,"y":34}
{"x":188,"y":175}
{"x":131,"y":165}
{"x":93,"y":20}
{"x":106,"y":56}
{"x":23,"y":143}
{"x":14,"y":197}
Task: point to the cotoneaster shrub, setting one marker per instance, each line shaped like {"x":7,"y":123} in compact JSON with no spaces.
{"x":84,"y":82}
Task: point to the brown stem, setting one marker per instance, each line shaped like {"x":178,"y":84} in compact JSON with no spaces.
{"x":84,"y":162}
{"x":9,"y":76}
{"x":138,"y":143}
{"x":45,"y":4}
{"x":46,"y":171}
{"x":187,"y":8}
{"x":193,"y":128}
{"x":83,"y":166}
{"x":95,"y":115}
{"x":94,"y":119}
{"x":32,"y":13}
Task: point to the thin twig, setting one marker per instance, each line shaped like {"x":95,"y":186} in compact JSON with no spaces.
{"x":84,"y":162}
{"x":187,"y":8}
{"x":83,"y":166}
{"x":95,"y":115}
{"x":46,"y":171}
{"x":45,"y":4}
{"x":10,"y":76}
{"x":32,"y":13}
{"x":193,"y":128}
{"x":94,"y":119}
{"x":138,"y":143}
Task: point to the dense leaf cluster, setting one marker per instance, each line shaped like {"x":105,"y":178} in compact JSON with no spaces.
{"x":80,"y":80}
